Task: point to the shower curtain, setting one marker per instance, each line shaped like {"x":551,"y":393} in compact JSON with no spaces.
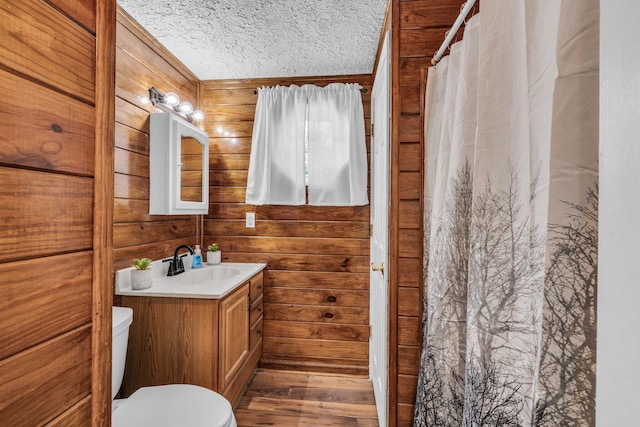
{"x":511,"y":193}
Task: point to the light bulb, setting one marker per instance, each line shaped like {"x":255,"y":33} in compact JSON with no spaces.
{"x":171,"y":99}
{"x":185,"y":107}
{"x":197,"y":116}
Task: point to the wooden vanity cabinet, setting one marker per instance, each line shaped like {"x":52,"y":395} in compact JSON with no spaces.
{"x":233,"y":389}
{"x":206,"y":342}
{"x":233,"y":336}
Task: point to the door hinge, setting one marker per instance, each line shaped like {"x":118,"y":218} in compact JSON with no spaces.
{"x":372,"y":129}
{"x":370,"y":331}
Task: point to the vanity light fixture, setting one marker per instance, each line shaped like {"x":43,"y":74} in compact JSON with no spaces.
{"x":170,"y":102}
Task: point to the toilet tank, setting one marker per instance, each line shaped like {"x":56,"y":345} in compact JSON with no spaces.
{"x":122,"y":318}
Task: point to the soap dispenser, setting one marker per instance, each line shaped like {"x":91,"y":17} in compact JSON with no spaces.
{"x":197,"y":258}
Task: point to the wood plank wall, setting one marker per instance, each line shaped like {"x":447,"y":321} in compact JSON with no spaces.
{"x":54,"y":316}
{"x":418,"y":28}
{"x":316,"y":298}
{"x":142,"y":62}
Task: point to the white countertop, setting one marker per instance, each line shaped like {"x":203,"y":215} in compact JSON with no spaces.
{"x":208,"y":282}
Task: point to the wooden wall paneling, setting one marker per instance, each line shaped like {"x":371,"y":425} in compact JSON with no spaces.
{"x":408,"y":330}
{"x":408,"y":359}
{"x":323,"y":280}
{"x":273,"y":212}
{"x":157,"y":250}
{"x":141,"y":62}
{"x":319,"y":263}
{"x":418,"y":28}
{"x":131,"y":116}
{"x":55,"y":123}
{"x":27,"y":195}
{"x":309,"y":330}
{"x":131,"y":163}
{"x":81,"y":11}
{"x":294,"y":245}
{"x":131,"y":187}
{"x":409,"y":128}
{"x":78,"y":415}
{"x":32,"y":293}
{"x":316,"y":313}
{"x":316,"y":348}
{"x":407,"y":298}
{"x":421,"y":41}
{"x":41,"y":43}
{"x":39,"y":384}
{"x":404,"y":414}
{"x":144,"y":50}
{"x":102,"y":295}
{"x":44,"y":129}
{"x":394,"y":223}
{"x":159,"y":51}
{"x":410,"y":215}
{"x":283,"y":228}
{"x":141,"y":233}
{"x":410,"y":273}
{"x":337,"y":298}
{"x":131,"y":139}
{"x":426,"y":14}
{"x":309,"y":250}
{"x":411,"y":158}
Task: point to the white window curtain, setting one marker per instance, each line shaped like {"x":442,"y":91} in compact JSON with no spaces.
{"x":276,"y":164}
{"x":337,"y":155}
{"x":337,"y":149}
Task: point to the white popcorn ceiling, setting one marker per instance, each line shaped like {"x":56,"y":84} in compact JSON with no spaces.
{"x":235,"y":39}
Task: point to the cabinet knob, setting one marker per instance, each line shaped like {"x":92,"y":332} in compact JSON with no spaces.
{"x":328,"y":315}
{"x":259,"y":286}
{"x":259,"y":331}
{"x":259,"y":309}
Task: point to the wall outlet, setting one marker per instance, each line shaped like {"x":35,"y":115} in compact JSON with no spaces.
{"x":251,"y":220}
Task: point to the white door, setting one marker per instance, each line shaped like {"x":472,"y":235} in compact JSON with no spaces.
{"x":379,"y":281}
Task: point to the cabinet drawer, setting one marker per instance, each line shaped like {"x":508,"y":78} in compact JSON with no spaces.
{"x":256,"y":310}
{"x":255,"y":286}
{"x":255,"y":334}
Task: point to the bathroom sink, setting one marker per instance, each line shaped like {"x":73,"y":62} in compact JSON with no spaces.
{"x":210,"y":281}
{"x":207,"y":275}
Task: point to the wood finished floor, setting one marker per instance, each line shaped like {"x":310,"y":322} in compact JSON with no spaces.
{"x":287,"y":399}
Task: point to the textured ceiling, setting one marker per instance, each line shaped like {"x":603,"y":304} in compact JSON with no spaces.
{"x":228,"y":39}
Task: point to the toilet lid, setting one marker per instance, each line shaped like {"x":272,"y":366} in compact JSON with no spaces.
{"x":174,"y":405}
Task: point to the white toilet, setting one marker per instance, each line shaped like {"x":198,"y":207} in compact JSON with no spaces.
{"x":175,"y":405}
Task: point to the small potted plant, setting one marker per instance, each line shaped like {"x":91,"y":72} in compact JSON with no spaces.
{"x":141,"y":275}
{"x":214,"y":256}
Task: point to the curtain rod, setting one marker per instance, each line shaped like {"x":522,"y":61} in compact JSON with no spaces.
{"x":464,"y":11}
{"x":362,"y":89}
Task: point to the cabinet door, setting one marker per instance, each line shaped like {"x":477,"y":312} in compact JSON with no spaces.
{"x":234,"y":334}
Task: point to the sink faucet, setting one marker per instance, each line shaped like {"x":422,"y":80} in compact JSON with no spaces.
{"x":176,"y":266}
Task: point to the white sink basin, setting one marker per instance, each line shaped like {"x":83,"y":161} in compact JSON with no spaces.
{"x":209,"y":282}
{"x":207,"y":275}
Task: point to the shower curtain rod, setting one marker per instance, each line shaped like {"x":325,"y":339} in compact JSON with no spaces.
{"x":362,"y":89}
{"x":464,"y":11}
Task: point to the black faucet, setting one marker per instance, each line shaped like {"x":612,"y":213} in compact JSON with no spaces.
{"x":176,"y":266}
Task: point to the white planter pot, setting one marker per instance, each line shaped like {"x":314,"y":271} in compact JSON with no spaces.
{"x":141,"y":279}
{"x":214,"y":257}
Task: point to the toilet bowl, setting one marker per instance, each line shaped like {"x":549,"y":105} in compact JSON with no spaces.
{"x":173,"y":405}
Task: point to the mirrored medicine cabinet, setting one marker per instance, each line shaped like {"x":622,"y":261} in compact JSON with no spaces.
{"x":179,"y":166}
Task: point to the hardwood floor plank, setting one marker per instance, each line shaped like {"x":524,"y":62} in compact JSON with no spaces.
{"x":289,"y":399}
{"x":267,"y":418}
{"x":314,"y":407}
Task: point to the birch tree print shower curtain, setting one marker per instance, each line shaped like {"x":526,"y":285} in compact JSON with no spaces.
{"x":511,"y":193}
